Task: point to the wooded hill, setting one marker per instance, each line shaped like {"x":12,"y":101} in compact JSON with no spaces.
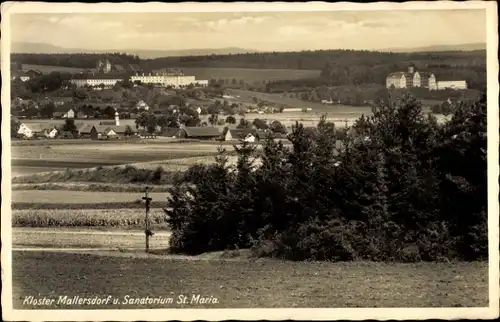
{"x":339,"y":67}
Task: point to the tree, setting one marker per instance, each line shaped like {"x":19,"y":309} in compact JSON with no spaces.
{"x":48,"y":110}
{"x":260,"y":124}
{"x":70,"y":126}
{"x":231,"y":119}
{"x":277,"y":127}
{"x":142,"y":120}
{"x":152,"y":122}
{"x":128,"y":131}
{"x":14,"y":127}
{"x":244,"y":124}
{"x":109,"y":112}
{"x":213,"y":119}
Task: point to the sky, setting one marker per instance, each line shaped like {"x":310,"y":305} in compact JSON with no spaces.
{"x":263,"y":31}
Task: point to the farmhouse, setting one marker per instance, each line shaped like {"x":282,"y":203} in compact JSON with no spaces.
{"x":202,"y":133}
{"x":246,"y":134}
{"x":101,"y":131}
{"x":69,"y":114}
{"x":85,"y":130}
{"x":31,"y":130}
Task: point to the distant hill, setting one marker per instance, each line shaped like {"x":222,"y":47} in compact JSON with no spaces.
{"x":462,"y":47}
{"x":43,"y":48}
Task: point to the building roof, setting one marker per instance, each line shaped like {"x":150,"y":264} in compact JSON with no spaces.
{"x":35,"y":127}
{"x":243,"y":132}
{"x":169,"y":131}
{"x":204,"y":131}
{"x":119,"y":68}
{"x":85,"y":128}
{"x":103,"y":76}
{"x":398,"y":75}
{"x":107,"y":123}
{"x":102,"y":128}
{"x":424,"y":74}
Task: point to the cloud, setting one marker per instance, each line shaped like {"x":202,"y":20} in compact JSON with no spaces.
{"x":110,"y":24}
{"x":293,"y":30}
{"x":220,"y":24}
{"x":75,"y":21}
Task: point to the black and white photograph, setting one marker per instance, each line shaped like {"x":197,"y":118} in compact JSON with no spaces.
{"x":322,"y":160}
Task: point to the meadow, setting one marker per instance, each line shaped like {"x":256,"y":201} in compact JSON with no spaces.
{"x":57,"y":157}
{"x":249,"y":75}
{"x":46,"y":69}
{"x":248,"y":283}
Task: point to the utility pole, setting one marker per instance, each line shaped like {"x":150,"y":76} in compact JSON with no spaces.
{"x":148,"y":232}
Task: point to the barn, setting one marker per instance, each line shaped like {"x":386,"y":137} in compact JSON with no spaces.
{"x":200,"y":133}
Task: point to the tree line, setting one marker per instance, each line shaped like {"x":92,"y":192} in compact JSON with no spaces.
{"x":399,"y":187}
{"x":81,"y":60}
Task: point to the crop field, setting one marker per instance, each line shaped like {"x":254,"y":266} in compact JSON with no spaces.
{"x":48,"y":69}
{"x":87,"y":186}
{"x":104,"y":218}
{"x":64,"y":197}
{"x":34,"y":159}
{"x":250,"y":75}
{"x":248,"y":283}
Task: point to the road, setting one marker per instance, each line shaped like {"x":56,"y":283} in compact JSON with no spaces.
{"x":67,"y":239}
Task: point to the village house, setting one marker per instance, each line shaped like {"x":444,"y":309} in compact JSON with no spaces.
{"x":142,"y":106}
{"x":32,"y":130}
{"x":70,"y":114}
{"x":247,"y":134}
{"x":101,"y":132}
{"x":81,"y":115}
{"x":201,"y":133}
{"x":84,"y":130}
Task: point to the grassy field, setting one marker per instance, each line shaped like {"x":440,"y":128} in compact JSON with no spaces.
{"x":250,"y":75}
{"x":35,"y":159}
{"x":247,"y":283}
{"x":48,"y":69}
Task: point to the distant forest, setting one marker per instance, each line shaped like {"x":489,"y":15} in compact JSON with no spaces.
{"x":338,"y":67}
{"x":73,"y":60}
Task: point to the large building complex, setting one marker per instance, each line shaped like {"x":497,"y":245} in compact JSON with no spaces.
{"x":413,"y":79}
{"x":453,"y":84}
{"x":166,"y":79}
{"x":96,"y":80}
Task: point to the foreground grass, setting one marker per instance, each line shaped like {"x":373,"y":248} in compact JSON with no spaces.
{"x":106,"y":218}
{"x":247,"y":283}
